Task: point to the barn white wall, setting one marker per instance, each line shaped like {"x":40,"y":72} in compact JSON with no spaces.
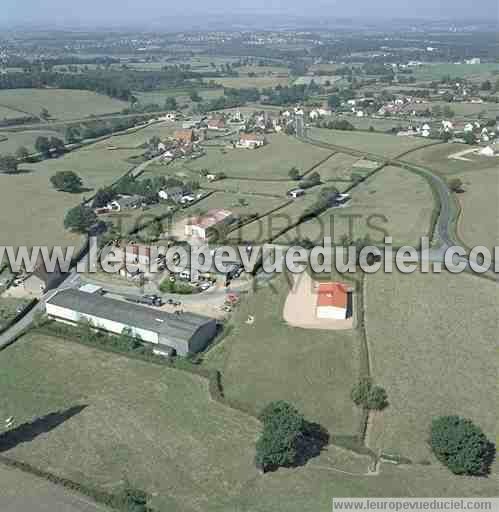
{"x":331,"y":312}
{"x":102,"y":323}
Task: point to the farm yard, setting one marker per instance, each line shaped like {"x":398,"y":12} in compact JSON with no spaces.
{"x":62,"y":104}
{"x":433,"y":343}
{"x":393,"y":200}
{"x":388,"y":146}
{"x":272,"y":161}
{"x":479,"y":222}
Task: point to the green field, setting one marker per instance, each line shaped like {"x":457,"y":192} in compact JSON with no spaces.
{"x":437,"y":159}
{"x":158,"y":428}
{"x":278,"y":188}
{"x":395,"y":200}
{"x":254,"y":204}
{"x":181,"y":95}
{"x":269,"y":227}
{"x":33,"y":212}
{"x":259,"y":82}
{"x":8,"y":307}
{"x":470,"y":71}
{"x":439,"y":357}
{"x":40,"y":221}
{"x":62,"y":104}
{"x":388,"y":146}
{"x":479,"y":223}
{"x":27,"y":138}
{"x":269,"y":360}
{"x":338,"y":167}
{"x":463,"y":110}
{"x":272,"y":161}
{"x":163,"y":433}
{"x":96,"y":165}
{"x":8,"y":113}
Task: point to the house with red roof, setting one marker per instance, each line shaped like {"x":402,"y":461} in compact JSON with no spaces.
{"x":334,"y":301}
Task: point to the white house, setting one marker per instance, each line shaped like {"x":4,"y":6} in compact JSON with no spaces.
{"x":296,"y":192}
{"x":199,"y":227}
{"x":251,"y":140}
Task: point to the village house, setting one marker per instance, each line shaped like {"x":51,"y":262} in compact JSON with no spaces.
{"x":171,"y":194}
{"x":184,"y":136}
{"x":251,"y":140}
{"x":199,"y":227}
{"x":41,"y":280}
{"x":217,"y":123}
{"x":334,"y":301}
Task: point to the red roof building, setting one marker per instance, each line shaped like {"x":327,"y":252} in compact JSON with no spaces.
{"x":332,"y":301}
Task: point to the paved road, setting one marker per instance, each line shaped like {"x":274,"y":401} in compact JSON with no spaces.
{"x":23,"y":492}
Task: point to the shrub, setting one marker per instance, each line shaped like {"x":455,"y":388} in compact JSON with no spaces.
{"x":461,"y":446}
{"x":365,"y":394}
{"x":282,"y":426}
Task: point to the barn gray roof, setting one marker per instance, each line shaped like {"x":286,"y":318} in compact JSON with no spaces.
{"x":181,"y":327}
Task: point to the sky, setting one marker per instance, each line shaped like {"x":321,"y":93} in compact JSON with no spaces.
{"x":169,"y":13}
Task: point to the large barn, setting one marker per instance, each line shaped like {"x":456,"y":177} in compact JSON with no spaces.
{"x":186,"y":333}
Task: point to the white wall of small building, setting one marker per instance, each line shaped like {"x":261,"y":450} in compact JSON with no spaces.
{"x":61,"y":313}
{"x":331,"y":312}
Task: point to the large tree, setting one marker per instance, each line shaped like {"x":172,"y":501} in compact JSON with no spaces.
{"x":282,"y":427}
{"x":66,"y":181}
{"x":80,"y":219}
{"x":461,"y":445}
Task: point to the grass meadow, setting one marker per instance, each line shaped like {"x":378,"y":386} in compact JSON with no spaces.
{"x":433,"y":347}
{"x":10,"y":141}
{"x":269,"y":360}
{"x":272,"y":161}
{"x":394,"y":200}
{"x":338,"y":167}
{"x":158,"y":428}
{"x":437,"y":159}
{"x":479,"y":222}
{"x":388,"y":146}
{"x":62,"y":104}
{"x":471,"y":71}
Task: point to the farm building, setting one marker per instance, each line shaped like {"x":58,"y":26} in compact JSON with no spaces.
{"x":251,"y":140}
{"x":334,"y":301}
{"x":186,"y":333}
{"x":184,"y":136}
{"x":199,"y":226}
{"x":217,"y":123}
{"x":296,"y":192}
{"x":171,"y":194}
{"x":41,"y":280}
